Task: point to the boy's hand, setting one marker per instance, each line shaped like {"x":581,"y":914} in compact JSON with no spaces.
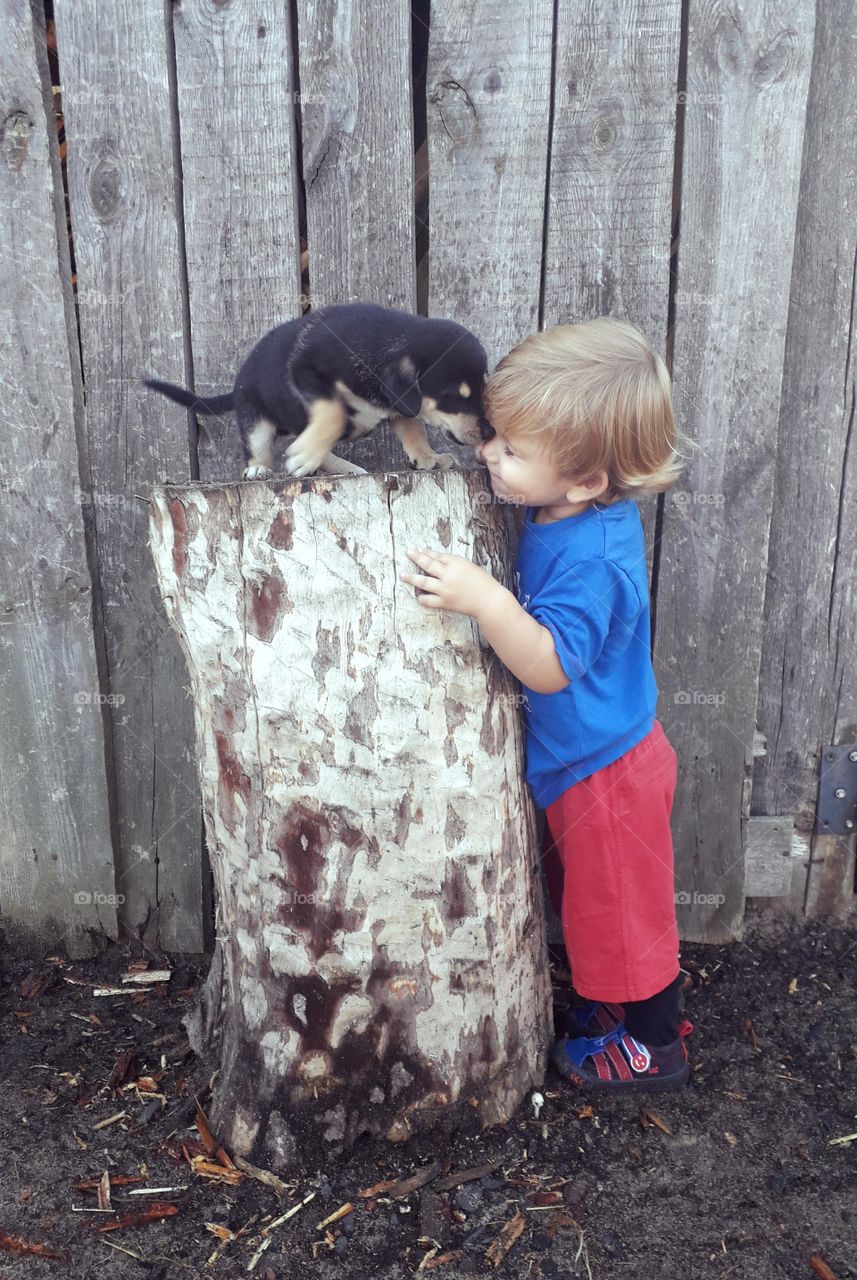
{"x":451,"y":582}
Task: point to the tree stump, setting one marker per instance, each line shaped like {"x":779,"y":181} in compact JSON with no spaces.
{"x":380,"y":961}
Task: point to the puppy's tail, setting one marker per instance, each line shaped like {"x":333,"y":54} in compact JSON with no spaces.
{"x":213,"y":404}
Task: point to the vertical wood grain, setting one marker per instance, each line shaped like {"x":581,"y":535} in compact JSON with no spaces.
{"x":747,"y":81}
{"x":122,"y":186}
{"x":807,"y":683}
{"x":240,"y":170}
{"x":56,"y":858}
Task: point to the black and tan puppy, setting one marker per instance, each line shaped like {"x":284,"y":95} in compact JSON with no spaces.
{"x":336,"y":373}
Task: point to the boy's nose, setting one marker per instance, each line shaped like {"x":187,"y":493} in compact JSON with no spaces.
{"x":487,"y":432}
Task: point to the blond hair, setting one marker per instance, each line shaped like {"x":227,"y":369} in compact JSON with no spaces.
{"x":591,"y":397}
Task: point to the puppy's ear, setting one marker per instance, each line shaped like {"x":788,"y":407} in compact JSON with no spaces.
{"x":400,"y":387}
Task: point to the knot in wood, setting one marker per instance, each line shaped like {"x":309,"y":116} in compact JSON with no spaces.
{"x":15,"y":138}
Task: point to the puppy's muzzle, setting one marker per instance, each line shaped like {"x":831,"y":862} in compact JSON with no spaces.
{"x":463,"y":427}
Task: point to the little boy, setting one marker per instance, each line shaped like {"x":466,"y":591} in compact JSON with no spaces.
{"x":583,"y":421}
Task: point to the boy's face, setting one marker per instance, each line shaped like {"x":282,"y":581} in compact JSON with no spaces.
{"x":520,"y":473}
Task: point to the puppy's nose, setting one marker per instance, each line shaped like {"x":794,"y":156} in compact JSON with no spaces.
{"x":485,"y":429}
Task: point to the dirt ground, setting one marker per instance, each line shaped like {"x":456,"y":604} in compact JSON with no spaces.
{"x":739,"y":1175}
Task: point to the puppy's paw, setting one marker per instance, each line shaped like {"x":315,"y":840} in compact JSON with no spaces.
{"x":434,"y":462}
{"x":256,"y":471}
{"x":302,"y":461}
{"x":333,"y":466}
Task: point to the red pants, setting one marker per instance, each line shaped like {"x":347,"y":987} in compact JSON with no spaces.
{"x":608,"y":858}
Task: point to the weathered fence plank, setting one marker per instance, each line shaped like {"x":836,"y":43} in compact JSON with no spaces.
{"x":358,"y":165}
{"x":612,"y":154}
{"x":747,"y":80}
{"x":239,"y":165}
{"x":56,"y":859}
{"x":113,"y":64}
{"x":808,"y":681}
{"x":488,"y":87}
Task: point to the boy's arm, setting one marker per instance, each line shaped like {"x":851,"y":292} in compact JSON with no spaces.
{"x":522,"y":644}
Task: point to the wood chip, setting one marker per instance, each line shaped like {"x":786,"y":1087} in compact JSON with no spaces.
{"x":441,"y":1258}
{"x":465,"y":1175}
{"x":16,"y":1244}
{"x":379,"y":1189}
{"x":227,"y":1240}
{"x":648,"y":1118}
{"x":263,"y":1175}
{"x":217,"y":1229}
{"x":290,"y":1213}
{"x":152,"y":1213}
{"x":404,"y":1186}
{"x":117,"y":1180}
{"x":499,"y":1247}
{"x":254,"y":1261}
{"x":210,"y":1142}
{"x":148,"y":977}
{"x":205,"y":1135}
{"x":102,"y":1124}
{"x":541,"y":1198}
{"x":341,"y":1212}
{"x":208,"y":1169}
{"x":123,"y":1067}
{"x":104,"y":1191}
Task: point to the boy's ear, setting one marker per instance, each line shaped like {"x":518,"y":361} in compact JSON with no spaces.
{"x":400,"y":386}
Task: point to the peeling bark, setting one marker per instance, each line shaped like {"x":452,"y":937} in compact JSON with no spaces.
{"x":379,"y":962}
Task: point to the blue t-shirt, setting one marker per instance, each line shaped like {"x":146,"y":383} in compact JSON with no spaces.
{"x":585,"y":579}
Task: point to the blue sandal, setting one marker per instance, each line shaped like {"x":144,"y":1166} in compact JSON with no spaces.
{"x":617,"y":1063}
{"x":590,"y":1019}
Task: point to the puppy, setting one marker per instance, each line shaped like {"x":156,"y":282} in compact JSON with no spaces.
{"x":336,"y":373}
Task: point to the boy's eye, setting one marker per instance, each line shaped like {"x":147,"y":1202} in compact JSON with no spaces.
{"x":509,"y":452}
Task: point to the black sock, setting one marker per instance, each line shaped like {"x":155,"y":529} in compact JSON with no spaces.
{"x":655,"y":1021}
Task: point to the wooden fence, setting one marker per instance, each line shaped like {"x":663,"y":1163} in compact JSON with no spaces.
{"x":176,"y":178}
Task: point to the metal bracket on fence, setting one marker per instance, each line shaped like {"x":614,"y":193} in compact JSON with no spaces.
{"x":837,"y":791}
